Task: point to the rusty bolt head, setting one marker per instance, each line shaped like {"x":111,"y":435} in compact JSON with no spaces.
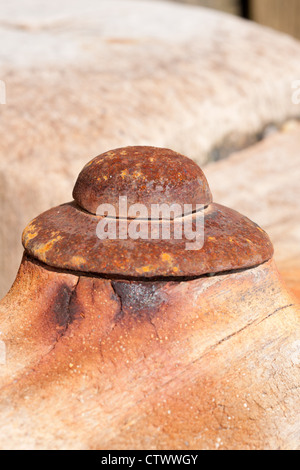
{"x":146,"y":175}
{"x":65,"y":237}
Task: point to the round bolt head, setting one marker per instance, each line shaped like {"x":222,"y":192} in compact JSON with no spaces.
{"x":145,"y":175}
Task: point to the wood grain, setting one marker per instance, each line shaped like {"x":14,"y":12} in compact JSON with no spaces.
{"x":212,"y":366}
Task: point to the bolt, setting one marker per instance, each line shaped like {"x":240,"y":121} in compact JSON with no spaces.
{"x":65,"y":237}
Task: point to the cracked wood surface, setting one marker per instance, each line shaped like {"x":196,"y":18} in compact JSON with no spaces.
{"x":210,"y":363}
{"x":85,"y":76}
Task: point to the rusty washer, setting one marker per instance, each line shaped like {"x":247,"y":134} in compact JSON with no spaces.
{"x":65,"y":237}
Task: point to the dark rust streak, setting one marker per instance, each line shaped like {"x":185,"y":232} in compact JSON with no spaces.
{"x":65,"y":307}
{"x":138,"y":300}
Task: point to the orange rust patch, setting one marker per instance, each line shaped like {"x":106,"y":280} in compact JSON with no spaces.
{"x":78,"y":260}
{"x":124,"y":173}
{"x":30,"y":232}
{"x":43,"y":248}
{"x":29,"y":236}
{"x":166,"y":257}
{"x":145,"y":269}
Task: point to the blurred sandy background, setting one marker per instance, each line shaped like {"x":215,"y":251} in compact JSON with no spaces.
{"x":85,"y":76}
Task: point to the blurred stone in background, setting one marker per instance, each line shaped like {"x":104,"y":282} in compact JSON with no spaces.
{"x":262,"y":182}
